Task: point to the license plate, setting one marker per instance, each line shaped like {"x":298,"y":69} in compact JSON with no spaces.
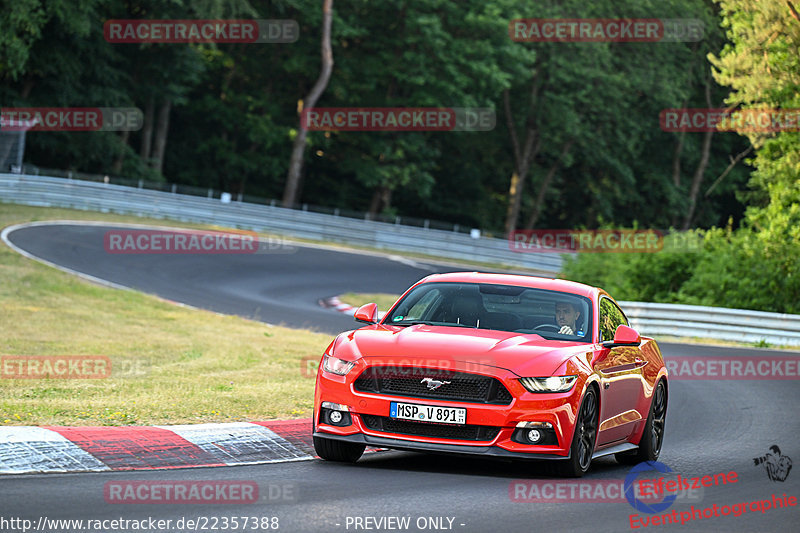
{"x":428,"y":413}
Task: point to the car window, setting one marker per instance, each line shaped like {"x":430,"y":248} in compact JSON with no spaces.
{"x":425,"y":303}
{"x":496,"y":307}
{"x":611,"y":316}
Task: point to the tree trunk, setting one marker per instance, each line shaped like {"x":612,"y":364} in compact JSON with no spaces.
{"x":734,"y":161}
{"x":147,"y":130}
{"x":296,"y":161}
{"x":537,"y":204}
{"x":522,"y":157}
{"x":794,"y":12}
{"x":676,"y":170}
{"x":160,"y":144}
{"x":700,"y":170}
{"x":381,"y":200}
{"x":678,"y":151}
{"x":676,"y":160}
{"x":116,"y":166}
{"x":374,"y":203}
{"x":27,"y":87}
{"x":697,"y":179}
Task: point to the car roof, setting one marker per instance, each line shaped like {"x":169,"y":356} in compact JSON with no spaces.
{"x":535,"y":282}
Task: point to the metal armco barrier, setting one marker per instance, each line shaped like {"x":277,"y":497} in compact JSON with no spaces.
{"x":649,"y":318}
{"x":713,"y":323}
{"x":93,"y":196}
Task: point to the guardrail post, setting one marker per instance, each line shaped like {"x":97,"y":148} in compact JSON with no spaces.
{"x":174,"y":188}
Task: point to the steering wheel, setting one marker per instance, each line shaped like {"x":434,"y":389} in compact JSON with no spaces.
{"x":542,"y":326}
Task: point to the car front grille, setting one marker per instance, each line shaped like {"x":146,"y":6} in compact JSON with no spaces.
{"x":412,"y":382}
{"x":424,"y":429}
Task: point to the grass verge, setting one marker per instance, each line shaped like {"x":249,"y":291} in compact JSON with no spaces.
{"x":170,"y":364}
{"x":384,"y":301}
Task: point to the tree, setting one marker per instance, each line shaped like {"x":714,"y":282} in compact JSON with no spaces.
{"x":422,"y":53}
{"x":299,"y":146}
{"x":755,"y":266}
{"x":762,"y":66}
{"x":591,"y":107}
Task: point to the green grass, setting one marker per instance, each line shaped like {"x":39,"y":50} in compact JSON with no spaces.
{"x":384,"y":301}
{"x":170,"y":364}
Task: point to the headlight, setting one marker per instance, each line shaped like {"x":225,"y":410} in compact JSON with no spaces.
{"x":549,"y":384}
{"x":337,"y":366}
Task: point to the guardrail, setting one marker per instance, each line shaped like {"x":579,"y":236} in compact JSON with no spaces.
{"x":649,"y":318}
{"x":713,"y":323}
{"x":106,"y":197}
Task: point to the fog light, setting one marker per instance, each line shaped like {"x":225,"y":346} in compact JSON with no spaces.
{"x":335,"y":414}
{"x":535,"y":433}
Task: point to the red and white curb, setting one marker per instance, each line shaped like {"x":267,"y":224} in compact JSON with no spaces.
{"x":29,"y":449}
{"x":337,"y":305}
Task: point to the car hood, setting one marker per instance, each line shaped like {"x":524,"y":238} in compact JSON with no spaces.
{"x":422,"y":345}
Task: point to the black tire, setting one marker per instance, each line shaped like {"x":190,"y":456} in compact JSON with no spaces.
{"x":653,"y":435}
{"x":337,"y":450}
{"x":584,"y":438}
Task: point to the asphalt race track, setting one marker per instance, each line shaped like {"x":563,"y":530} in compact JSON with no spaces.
{"x":713,"y":426}
{"x":277,"y":288}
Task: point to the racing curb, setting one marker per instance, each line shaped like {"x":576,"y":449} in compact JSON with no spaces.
{"x":50,"y":449}
{"x":337,"y":305}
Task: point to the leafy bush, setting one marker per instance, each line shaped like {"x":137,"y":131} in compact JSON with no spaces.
{"x":743,"y":269}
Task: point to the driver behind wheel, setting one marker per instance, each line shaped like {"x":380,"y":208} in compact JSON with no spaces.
{"x":567,"y":318}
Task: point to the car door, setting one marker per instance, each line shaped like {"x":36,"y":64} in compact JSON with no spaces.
{"x":621,"y":380}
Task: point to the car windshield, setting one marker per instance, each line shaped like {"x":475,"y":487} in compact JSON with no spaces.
{"x":551,"y":314}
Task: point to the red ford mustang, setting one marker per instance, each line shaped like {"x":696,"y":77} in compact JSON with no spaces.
{"x":494,"y":365}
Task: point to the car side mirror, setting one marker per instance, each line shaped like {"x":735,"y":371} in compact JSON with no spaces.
{"x":367,"y":313}
{"x":624,"y":336}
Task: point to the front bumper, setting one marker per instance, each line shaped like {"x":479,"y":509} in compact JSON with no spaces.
{"x":559,"y":409}
{"x":434,"y":447}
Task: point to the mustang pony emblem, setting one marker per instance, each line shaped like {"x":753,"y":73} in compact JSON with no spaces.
{"x":434,"y":384}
